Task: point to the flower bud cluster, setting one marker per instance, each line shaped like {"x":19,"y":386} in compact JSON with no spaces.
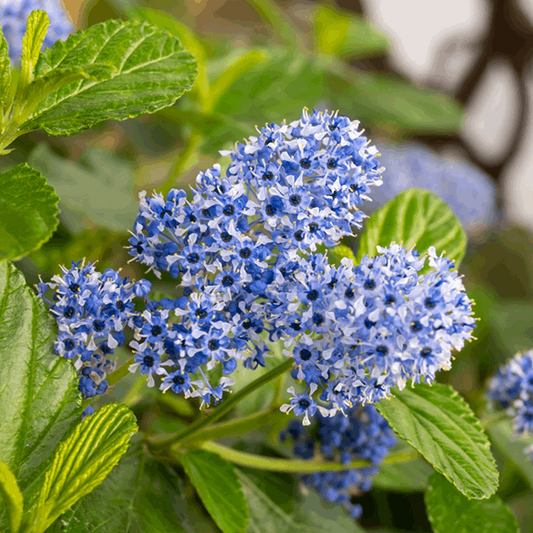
{"x":512,"y":389}
{"x":362,"y":434}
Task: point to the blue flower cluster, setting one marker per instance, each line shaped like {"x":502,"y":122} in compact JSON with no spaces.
{"x":91,"y":310}
{"x":286,"y":191}
{"x":470,"y":193}
{"x":244,"y":252}
{"x":362,"y":330}
{"x":512,"y":389}
{"x":362,"y":434}
{"x":15,"y":13}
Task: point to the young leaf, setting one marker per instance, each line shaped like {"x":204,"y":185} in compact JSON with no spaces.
{"x":5,"y":77}
{"x":10,"y":493}
{"x":152,"y":71}
{"x":39,"y":400}
{"x":438,"y":423}
{"x":36,"y":29}
{"x":450,"y":512}
{"x":82,"y":462}
{"x":219,"y":488}
{"x":139,"y":495}
{"x":415,"y":218}
{"x":339,"y":33}
{"x":28,"y":212}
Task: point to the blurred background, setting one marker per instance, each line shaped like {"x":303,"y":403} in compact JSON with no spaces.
{"x":443,"y":88}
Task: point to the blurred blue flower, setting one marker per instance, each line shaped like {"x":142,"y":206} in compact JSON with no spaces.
{"x":13,"y":17}
{"x":468,"y":191}
{"x":362,"y":434}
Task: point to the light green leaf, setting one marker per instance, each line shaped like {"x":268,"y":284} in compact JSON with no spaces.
{"x":28,"y":211}
{"x":82,"y":462}
{"x":36,"y":29}
{"x":139,"y":495}
{"x":415,"y":218}
{"x":403,"y":477}
{"x":337,"y":253}
{"x":512,"y":448}
{"x":267,"y":517}
{"x":450,"y":512}
{"x":5,"y":77}
{"x":99,"y":187}
{"x":39,"y":397}
{"x":340,"y":33}
{"x":219,"y":488}
{"x":10,"y":493}
{"x":152,"y":71}
{"x":438,"y":423}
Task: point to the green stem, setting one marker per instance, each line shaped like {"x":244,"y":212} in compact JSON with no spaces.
{"x":162,"y":441}
{"x":182,"y":162}
{"x":236,"y":426}
{"x":275,"y":464}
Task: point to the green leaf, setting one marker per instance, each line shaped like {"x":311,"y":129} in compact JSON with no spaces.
{"x":297,"y":78}
{"x":152,"y":71}
{"x":415,"y":218}
{"x":39,"y":397}
{"x":438,"y":423}
{"x":450,"y":512}
{"x":314,"y":517}
{"x":10,"y":492}
{"x":28,"y":212}
{"x":403,"y":477}
{"x":342,"y":33}
{"x":82,"y":462}
{"x":389,"y":102}
{"x":5,"y":77}
{"x":36,"y":29}
{"x":219,"y":488}
{"x":164,"y":21}
{"x":512,"y":448}
{"x":99,"y":188}
{"x":139,"y":495}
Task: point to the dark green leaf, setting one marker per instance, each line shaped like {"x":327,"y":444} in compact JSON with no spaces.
{"x":82,"y":461}
{"x":152,"y":71}
{"x":450,"y":512}
{"x":267,"y":517}
{"x":403,"y":477}
{"x":512,"y":448}
{"x":438,"y":423}
{"x":219,"y":488}
{"x":36,"y":29}
{"x":28,"y":211}
{"x":415,"y":218}
{"x":138,"y":496}
{"x":11,"y":496}
{"x":389,"y":102}
{"x":39,"y":398}
{"x":99,"y":187}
